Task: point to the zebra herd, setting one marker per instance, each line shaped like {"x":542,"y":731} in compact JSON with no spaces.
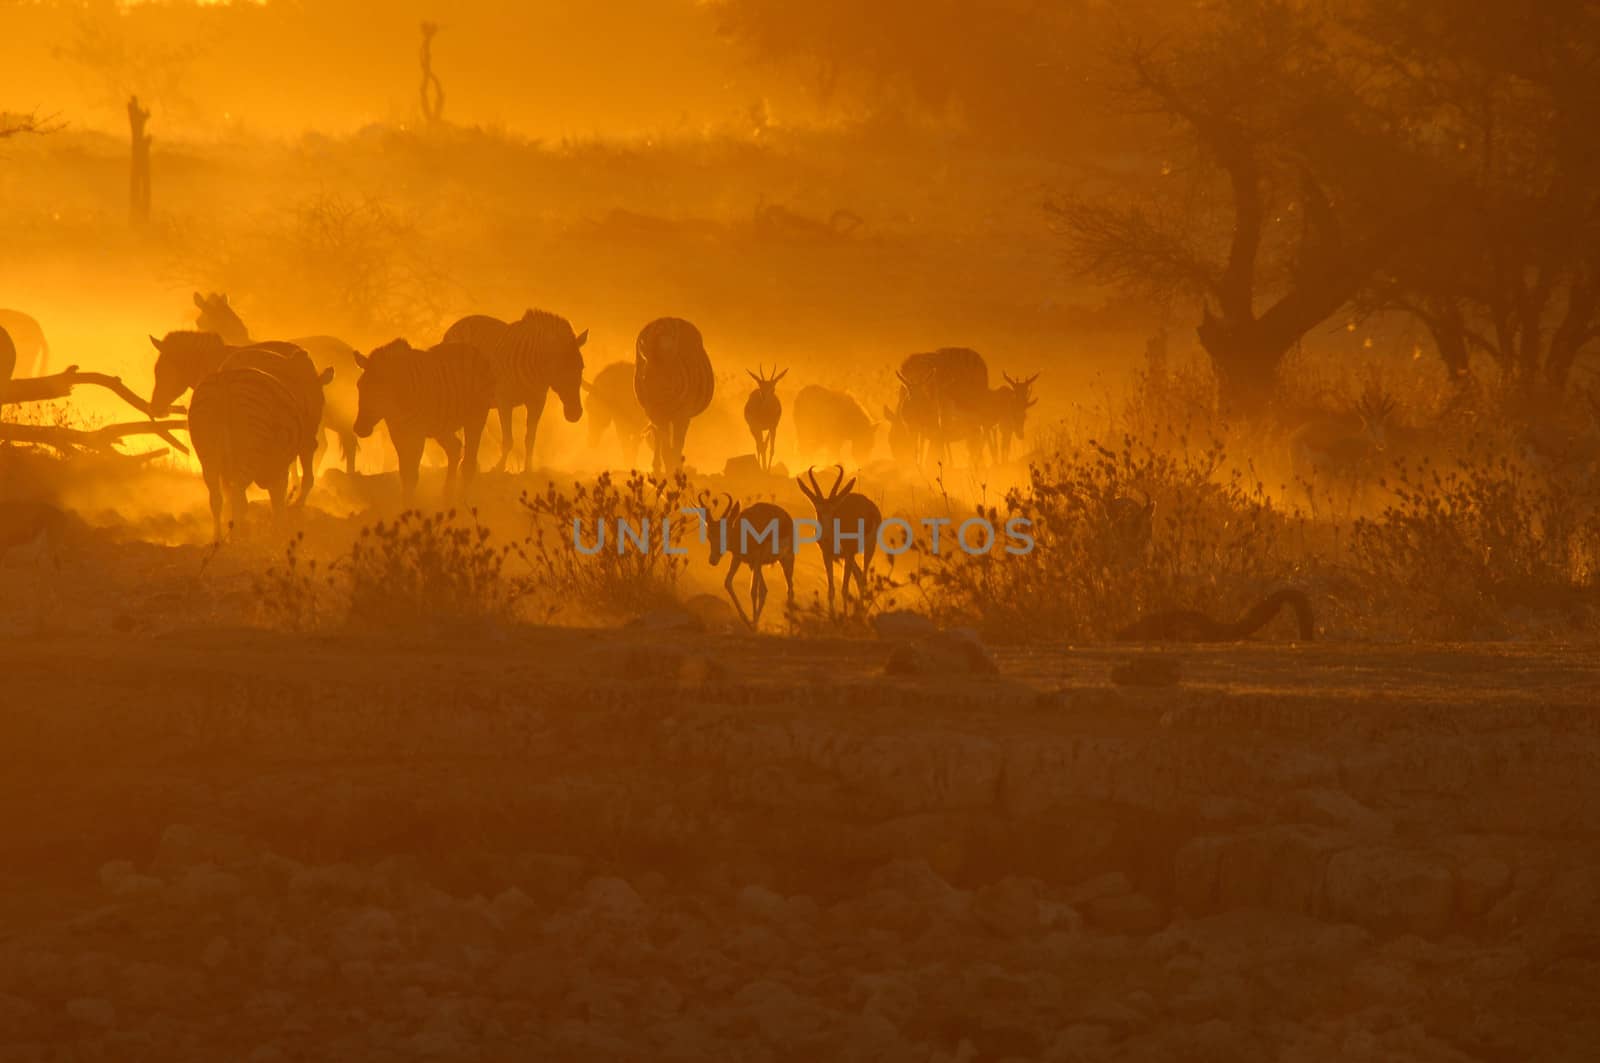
{"x":260,"y":406}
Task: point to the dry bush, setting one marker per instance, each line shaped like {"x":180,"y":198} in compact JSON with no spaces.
{"x":1466,"y":550}
{"x":612,"y":581}
{"x":1216,"y":540}
{"x":417,"y":571}
{"x":431,"y":570}
{"x":293,"y":596}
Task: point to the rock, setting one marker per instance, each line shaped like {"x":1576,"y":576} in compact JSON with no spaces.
{"x":1111,"y":884}
{"x":1390,"y":890}
{"x":1335,"y":808}
{"x":902,"y":625}
{"x":713,"y":612}
{"x":947,"y":653}
{"x":1010,"y":907}
{"x":1132,"y":913}
{"x":673,"y":618}
{"x":1147,"y":670}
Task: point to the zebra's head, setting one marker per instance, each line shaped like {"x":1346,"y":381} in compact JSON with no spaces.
{"x":217,"y":315}
{"x":376,"y":385}
{"x":182,"y":358}
{"x":568,"y":383}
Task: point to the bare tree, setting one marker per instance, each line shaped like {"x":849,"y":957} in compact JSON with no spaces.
{"x":1275,"y":216}
{"x":432,"y":88}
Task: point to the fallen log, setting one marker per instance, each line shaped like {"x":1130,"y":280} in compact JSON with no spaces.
{"x":60,"y":385}
{"x":67,"y":439}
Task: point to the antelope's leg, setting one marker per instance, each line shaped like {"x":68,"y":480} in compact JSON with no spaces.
{"x":727,"y":585}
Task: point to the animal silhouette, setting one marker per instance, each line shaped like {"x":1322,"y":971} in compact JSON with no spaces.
{"x":247,"y":428}
{"x":674,"y":383}
{"x":423,"y":395}
{"x":530,"y":357}
{"x":31,"y":352}
{"x":762,"y":412}
{"x":827,"y":421}
{"x":756,"y":536}
{"x":849,"y":530}
{"x":612,"y":404}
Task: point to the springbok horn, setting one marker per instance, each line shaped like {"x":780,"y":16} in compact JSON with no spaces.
{"x":833,"y":492}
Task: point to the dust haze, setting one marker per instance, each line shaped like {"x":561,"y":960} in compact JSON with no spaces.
{"x":699,"y":529}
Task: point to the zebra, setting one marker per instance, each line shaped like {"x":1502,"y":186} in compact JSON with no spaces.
{"x":293,"y":369}
{"x":30,"y":349}
{"x":673,"y":381}
{"x":247,"y":429}
{"x":825,"y":421}
{"x":945,"y":399}
{"x":529,"y":357}
{"x":217,"y":315}
{"x":762,"y":412}
{"x":425,"y":395}
{"x":612,"y":403}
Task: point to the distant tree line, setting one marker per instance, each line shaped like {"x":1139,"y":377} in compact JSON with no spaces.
{"x":1279,"y":162}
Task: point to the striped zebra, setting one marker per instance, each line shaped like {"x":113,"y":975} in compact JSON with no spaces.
{"x":425,"y":395}
{"x":945,"y":398}
{"x":673,"y":381}
{"x":612,"y":403}
{"x":294,"y":370}
{"x":247,"y":429}
{"x":32,"y":352}
{"x":530,"y":357}
{"x":339,"y":413}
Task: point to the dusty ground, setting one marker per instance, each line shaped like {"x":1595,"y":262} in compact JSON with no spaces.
{"x":221,"y":843}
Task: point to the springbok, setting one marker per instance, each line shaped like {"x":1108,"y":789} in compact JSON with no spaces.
{"x":1345,"y":450}
{"x":755,"y":536}
{"x":849,"y":528}
{"x":762,"y":412}
{"x":1008,"y":413}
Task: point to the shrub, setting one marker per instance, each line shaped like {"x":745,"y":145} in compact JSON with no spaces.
{"x":425,"y":570}
{"x":1215,"y":538}
{"x":610,"y":580}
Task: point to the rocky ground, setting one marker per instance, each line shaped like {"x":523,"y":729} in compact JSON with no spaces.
{"x":656,"y":845}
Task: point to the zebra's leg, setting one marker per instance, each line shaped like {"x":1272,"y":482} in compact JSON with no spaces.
{"x":506,"y":412}
{"x":238,"y":507}
{"x":680,"y":439}
{"x":535,"y":411}
{"x":348,"y":445}
{"x":408,"y":450}
{"x":214,"y":489}
{"x":733,"y":596}
{"x":278,"y":495}
{"x":469,"y":460}
{"x":308,"y":473}
{"x":451,"y":445}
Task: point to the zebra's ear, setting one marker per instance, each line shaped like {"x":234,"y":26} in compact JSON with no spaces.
{"x":156,"y":344}
{"x":326,"y":377}
{"x":361,"y":360}
{"x":199,"y":300}
{"x":583,"y":337}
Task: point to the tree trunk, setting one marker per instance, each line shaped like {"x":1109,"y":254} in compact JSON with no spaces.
{"x":139,"y":168}
{"x":1245,"y":358}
